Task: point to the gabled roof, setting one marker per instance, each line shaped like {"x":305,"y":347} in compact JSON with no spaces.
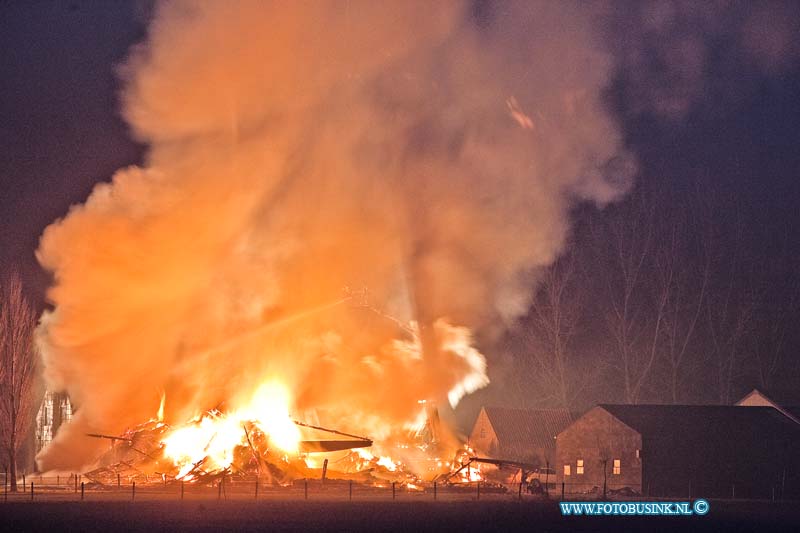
{"x":701,"y":420}
{"x":535,"y":428}
{"x":787,"y":401}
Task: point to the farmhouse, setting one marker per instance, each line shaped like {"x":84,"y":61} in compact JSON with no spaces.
{"x":524,"y":435}
{"x":681,"y":451}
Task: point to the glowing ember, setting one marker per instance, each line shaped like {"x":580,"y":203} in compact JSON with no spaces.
{"x":213,"y":438}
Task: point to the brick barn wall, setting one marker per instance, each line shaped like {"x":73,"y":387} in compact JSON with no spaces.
{"x":594,"y":436}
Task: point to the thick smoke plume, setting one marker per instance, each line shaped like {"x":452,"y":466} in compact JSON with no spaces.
{"x":426,"y":151}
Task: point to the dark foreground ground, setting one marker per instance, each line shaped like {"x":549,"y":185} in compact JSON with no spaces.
{"x":485,"y":516}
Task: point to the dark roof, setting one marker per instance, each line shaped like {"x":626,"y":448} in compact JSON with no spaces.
{"x":534,"y":428}
{"x":786,"y":407}
{"x":793,"y":410}
{"x":692,"y":420}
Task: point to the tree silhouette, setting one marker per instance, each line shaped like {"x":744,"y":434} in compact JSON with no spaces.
{"x":18,"y":367}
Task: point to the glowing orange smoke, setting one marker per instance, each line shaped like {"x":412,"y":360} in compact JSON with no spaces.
{"x":298,"y":148}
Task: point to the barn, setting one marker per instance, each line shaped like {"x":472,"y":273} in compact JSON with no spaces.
{"x":523,"y":435}
{"x":681,"y":451}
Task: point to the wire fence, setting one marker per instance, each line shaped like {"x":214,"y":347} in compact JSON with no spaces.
{"x":77,"y":487}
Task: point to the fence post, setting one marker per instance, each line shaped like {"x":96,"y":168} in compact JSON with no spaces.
{"x":520,"y":490}
{"x":31,"y":490}
{"x":305,"y":489}
{"x":119,"y":481}
{"x":58,"y":480}
{"x":562,"y":490}
{"x":76,"y":483}
{"x":133,"y":492}
{"x":82,"y":489}
{"x":394,"y":483}
{"x":434,"y":490}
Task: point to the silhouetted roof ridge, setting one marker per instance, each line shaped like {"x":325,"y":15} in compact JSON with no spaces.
{"x":525,"y":409}
{"x":669,"y":405}
{"x":697,"y":419}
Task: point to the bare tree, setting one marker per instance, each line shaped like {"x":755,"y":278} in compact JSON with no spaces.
{"x":18,"y":367}
{"x":731,"y":307}
{"x":554,"y":316}
{"x":636,"y":305}
{"x":684,"y":282}
{"x":604,"y":456}
{"x":777,"y":294}
{"x":769,"y":350}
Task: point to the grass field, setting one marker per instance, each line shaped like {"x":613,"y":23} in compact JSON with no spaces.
{"x":153,"y":512}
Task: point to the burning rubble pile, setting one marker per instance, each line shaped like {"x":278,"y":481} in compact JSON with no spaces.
{"x":275,"y":449}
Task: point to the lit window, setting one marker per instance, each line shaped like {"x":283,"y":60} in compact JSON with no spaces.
{"x":579,"y":467}
{"x":66,"y":411}
{"x":566,"y":470}
{"x":616,"y":467}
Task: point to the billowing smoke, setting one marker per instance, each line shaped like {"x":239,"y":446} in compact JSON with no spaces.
{"x":674,"y":54}
{"x":419,"y":157}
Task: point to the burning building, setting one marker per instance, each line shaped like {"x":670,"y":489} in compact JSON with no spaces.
{"x":295,"y":150}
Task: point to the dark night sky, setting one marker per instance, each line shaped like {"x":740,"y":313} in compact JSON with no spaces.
{"x":733,"y":125}
{"x":60,"y":131}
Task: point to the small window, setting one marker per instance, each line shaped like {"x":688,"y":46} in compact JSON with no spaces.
{"x":579,"y":467}
{"x":617,"y":467}
{"x":483,"y":432}
{"x":566,"y":470}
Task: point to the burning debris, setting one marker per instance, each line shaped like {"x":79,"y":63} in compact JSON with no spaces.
{"x":278,"y":451}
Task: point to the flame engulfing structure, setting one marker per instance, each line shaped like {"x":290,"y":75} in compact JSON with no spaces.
{"x":421,"y":150}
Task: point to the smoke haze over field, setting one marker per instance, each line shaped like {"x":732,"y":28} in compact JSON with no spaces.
{"x":415,"y":149}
